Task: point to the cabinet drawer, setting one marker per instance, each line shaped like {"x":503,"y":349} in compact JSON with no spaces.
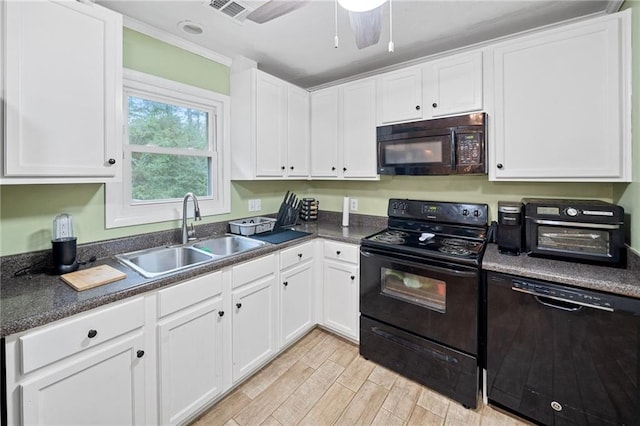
{"x":295,"y":255}
{"x":180,"y":296}
{"x":341,"y":251}
{"x":252,"y":270}
{"x":68,"y":337}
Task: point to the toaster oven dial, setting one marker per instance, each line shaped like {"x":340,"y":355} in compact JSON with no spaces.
{"x":570,"y":211}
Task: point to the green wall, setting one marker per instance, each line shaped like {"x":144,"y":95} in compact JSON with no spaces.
{"x":628,"y":195}
{"x":27,"y":211}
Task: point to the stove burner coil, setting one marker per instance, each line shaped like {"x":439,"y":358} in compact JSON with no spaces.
{"x":391,"y":237}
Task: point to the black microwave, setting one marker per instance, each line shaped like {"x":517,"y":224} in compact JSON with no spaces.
{"x":441,"y":146}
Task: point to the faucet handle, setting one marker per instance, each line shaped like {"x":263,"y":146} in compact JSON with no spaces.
{"x":191,"y":232}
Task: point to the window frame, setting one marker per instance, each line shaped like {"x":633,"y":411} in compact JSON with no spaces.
{"x":120,"y":210}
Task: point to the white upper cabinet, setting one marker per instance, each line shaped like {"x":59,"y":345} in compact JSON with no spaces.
{"x":324,"y":133}
{"x":343,"y":131}
{"x":269,"y":127}
{"x":400,"y":96}
{"x":63,"y":92}
{"x":562,"y":103}
{"x":452,"y":85}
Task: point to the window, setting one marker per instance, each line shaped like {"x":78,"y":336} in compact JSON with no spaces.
{"x":175,"y":141}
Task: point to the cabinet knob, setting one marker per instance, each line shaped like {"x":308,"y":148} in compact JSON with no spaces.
{"x":417,"y":107}
{"x":333,"y":168}
{"x":92,"y":334}
{"x":283,"y":167}
{"x":140,"y":353}
{"x":299,"y":255}
{"x":285,"y":283}
{"x":112,"y":161}
{"x":338,"y":252}
{"x":221,"y":313}
{"x":344,"y":169}
{"x":238,"y":305}
{"x":353,"y":277}
{"x":435,"y":105}
{"x":499,"y":165}
{"x":291,"y":167}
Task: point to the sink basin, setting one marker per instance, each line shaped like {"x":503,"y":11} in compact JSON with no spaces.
{"x":160,"y":261}
{"x":227,"y":245}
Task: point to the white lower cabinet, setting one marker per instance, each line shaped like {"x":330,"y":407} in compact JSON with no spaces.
{"x":296,"y":293}
{"x":88,"y":369}
{"x":341,"y":289}
{"x":104,"y":388}
{"x":254,"y":315}
{"x":190,"y":347}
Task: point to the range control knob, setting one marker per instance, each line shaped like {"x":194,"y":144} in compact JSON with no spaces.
{"x":571,"y":212}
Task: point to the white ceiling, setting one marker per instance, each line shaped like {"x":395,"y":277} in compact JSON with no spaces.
{"x":298,"y":47}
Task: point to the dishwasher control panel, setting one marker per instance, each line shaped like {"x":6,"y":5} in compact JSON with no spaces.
{"x":579,"y":297}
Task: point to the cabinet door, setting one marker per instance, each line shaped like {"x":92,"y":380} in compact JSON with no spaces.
{"x":560,"y":104}
{"x":298,"y":136}
{"x":296,"y":301}
{"x":190,"y":362}
{"x":254,"y":324}
{"x":106,"y":387}
{"x":63,"y":92}
{"x":341,"y":298}
{"x":453,"y":85}
{"x":400,"y":96}
{"x":359,"y":129}
{"x":324,"y":133}
{"x":271,"y":125}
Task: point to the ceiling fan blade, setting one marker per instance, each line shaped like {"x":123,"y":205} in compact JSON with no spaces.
{"x":366,"y":26}
{"x":274,"y":9}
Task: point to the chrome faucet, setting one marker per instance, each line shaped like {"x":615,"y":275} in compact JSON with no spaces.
{"x":189,"y":234}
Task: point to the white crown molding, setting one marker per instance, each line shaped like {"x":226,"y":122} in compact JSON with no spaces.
{"x":614,"y":6}
{"x":176,"y":41}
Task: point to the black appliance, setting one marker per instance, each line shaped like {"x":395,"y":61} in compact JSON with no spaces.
{"x":589,"y":231}
{"x":510,"y":231}
{"x":561,"y":355}
{"x":442,"y":146}
{"x":419,"y":294}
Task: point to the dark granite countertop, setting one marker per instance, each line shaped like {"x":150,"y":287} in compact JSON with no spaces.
{"x":33,"y":300}
{"x":625,"y":282}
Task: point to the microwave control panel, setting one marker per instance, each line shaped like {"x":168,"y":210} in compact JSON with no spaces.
{"x":469,"y":148}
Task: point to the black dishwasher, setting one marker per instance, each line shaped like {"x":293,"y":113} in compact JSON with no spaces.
{"x":562,"y":355}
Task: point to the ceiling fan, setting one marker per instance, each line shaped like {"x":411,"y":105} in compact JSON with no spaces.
{"x":365,"y":16}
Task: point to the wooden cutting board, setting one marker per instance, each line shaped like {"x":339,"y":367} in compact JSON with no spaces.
{"x":92,"y":277}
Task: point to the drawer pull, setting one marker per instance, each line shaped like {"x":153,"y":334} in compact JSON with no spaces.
{"x":337,"y":252}
{"x":285,"y":283}
{"x":140,"y":353}
{"x":238,"y":305}
{"x":221,"y":313}
{"x":92,"y":334}
{"x":299,"y":255}
{"x":353,"y":277}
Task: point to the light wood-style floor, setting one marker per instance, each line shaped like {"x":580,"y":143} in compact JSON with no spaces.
{"x":322,"y":380}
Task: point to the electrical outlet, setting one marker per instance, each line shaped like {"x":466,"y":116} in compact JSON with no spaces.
{"x":255,"y":205}
{"x":354,"y":205}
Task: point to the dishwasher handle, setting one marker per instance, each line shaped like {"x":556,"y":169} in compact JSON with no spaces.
{"x":574,"y":304}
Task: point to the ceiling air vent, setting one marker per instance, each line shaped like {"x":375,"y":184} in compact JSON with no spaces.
{"x":231,"y":8}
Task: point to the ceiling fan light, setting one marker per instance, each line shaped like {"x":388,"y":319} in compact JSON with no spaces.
{"x":360,"y":5}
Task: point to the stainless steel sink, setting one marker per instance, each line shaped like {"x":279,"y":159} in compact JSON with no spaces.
{"x":227,"y":245}
{"x":165,"y":260}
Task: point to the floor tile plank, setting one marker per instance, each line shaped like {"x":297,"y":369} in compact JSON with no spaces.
{"x":225,"y":410}
{"x":329,"y":407}
{"x":356,"y":373}
{"x":364,"y":406}
{"x":268,"y":401}
{"x":402,"y":398}
{"x":308,"y":393}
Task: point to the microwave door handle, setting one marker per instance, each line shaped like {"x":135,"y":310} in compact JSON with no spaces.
{"x":575,"y":224}
{"x":453,"y":149}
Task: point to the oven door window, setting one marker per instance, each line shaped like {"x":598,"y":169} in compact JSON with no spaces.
{"x":574,"y":240}
{"x":417,"y":289}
